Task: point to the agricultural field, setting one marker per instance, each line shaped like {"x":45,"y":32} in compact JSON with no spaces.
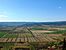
{"x":31,"y":38}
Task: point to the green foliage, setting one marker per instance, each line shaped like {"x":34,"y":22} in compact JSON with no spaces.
{"x":51,"y":43}
{"x":2,"y":34}
{"x":10,"y":36}
{"x":6,"y":46}
{"x":32,"y":47}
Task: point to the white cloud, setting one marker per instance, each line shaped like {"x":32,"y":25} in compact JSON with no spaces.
{"x":1,"y":16}
{"x":59,"y":7}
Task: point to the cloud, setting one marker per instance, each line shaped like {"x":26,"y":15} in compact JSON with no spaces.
{"x":1,"y":16}
{"x":59,"y":7}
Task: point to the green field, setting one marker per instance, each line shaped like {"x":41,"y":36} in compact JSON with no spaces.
{"x":6,"y":35}
{"x":2,"y":34}
{"x":11,"y":36}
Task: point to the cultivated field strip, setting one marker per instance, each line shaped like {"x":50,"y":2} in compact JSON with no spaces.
{"x":46,"y":37}
{"x":9,"y":40}
{"x":18,"y":40}
{"x":1,"y":39}
{"x":13,"y":39}
{"x":58,"y":38}
{"x":32,"y":39}
{"x":38,"y":37}
{"x":22,"y":39}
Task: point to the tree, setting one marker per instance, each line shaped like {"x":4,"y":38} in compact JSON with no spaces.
{"x":64,"y":44}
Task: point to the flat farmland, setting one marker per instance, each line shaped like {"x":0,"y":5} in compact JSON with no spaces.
{"x":41,"y":31}
{"x":32,"y":36}
{"x":37,"y":35}
{"x":48,"y":28}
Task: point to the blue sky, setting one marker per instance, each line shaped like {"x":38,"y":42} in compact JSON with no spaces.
{"x":32,"y":10}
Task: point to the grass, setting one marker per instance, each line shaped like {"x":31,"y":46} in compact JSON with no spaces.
{"x":6,"y":46}
{"x":2,"y":34}
{"x":28,"y":34}
{"x":11,"y":36}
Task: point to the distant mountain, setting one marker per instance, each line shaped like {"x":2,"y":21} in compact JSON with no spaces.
{"x":5,"y":24}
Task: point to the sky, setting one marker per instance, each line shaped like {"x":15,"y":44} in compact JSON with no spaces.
{"x":32,"y":10}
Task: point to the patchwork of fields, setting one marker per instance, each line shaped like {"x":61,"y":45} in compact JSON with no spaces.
{"x":32,"y":36}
